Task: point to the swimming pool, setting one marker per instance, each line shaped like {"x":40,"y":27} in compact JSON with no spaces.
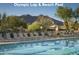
{"x":48,"y":47}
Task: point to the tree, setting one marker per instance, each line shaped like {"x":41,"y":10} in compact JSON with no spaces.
{"x":75,"y":25}
{"x":0,"y":16}
{"x":76,"y":13}
{"x":34,"y":26}
{"x":2,"y":22}
{"x":45,"y":22}
{"x":0,"y":19}
{"x":4,"y":16}
{"x":12,"y":23}
{"x":65,"y":14}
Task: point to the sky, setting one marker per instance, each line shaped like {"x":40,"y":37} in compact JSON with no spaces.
{"x":50,"y":11}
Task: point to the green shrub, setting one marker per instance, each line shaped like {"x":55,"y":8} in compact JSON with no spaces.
{"x":34,"y":26}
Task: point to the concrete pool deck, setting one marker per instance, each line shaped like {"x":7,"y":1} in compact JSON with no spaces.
{"x":34,"y":39}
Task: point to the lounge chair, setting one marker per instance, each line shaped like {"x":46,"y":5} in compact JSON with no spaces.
{"x":39,"y":34}
{"x":1,"y":36}
{"x":28,"y":34}
{"x":9,"y":35}
{"x":15,"y":35}
{"x":4,"y":35}
{"x":20,"y":35}
{"x":25,"y":34}
{"x":35,"y":34}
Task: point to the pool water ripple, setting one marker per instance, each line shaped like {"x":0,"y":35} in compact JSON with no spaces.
{"x":58,"y":47}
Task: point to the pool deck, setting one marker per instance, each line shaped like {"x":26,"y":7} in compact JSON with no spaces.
{"x":35,"y":39}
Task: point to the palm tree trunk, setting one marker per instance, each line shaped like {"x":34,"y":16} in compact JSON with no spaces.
{"x":66,"y":25}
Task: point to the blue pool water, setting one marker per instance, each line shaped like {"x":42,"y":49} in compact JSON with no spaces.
{"x":49,"y":47}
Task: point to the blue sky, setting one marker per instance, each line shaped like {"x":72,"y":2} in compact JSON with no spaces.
{"x":10,"y":9}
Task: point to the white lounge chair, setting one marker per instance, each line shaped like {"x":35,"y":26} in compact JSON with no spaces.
{"x":1,"y":36}
{"x":8,"y":36}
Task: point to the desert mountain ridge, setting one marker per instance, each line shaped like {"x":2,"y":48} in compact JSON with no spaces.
{"x":30,"y":19}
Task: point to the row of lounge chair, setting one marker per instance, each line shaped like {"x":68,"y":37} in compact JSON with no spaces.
{"x":24,"y":35}
{"x":21,"y":35}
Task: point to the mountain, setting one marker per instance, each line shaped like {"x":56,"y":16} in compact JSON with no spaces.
{"x":30,"y":19}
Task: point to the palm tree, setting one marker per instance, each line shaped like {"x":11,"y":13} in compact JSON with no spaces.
{"x":65,"y":14}
{"x":0,"y":16}
{"x":76,"y":13}
{"x":4,"y":16}
{"x":75,"y":25}
{"x":0,"y":19}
